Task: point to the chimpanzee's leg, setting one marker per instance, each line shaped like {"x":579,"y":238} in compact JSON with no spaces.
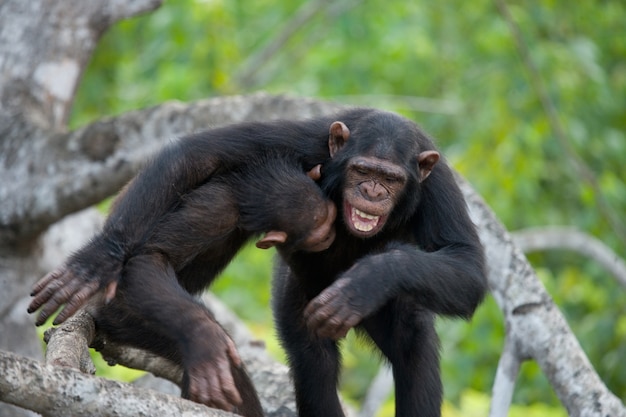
{"x":406,"y":336}
{"x":314,"y":362}
{"x":152,"y":311}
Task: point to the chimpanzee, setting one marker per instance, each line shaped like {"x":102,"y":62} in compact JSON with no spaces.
{"x":151,"y":307}
{"x":405,"y":249}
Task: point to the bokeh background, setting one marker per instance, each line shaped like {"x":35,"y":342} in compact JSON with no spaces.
{"x":527,"y":99}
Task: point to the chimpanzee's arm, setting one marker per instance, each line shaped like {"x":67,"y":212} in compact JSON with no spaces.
{"x":450,"y":281}
{"x":151,"y":195}
{"x":154,"y":193}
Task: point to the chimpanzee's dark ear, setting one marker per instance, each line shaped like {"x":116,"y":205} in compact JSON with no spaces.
{"x":427,"y":161}
{"x":339,"y":134}
{"x":271,"y":238}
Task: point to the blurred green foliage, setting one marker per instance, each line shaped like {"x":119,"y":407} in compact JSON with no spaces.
{"x":458,"y":69}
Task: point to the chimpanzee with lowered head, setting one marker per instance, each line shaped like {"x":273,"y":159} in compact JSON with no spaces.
{"x":404,"y":251}
{"x":154,"y":253}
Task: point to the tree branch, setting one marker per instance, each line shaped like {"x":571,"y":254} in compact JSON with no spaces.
{"x":535,"y":325}
{"x":545,"y":238}
{"x":307,"y":11}
{"x":59,"y":391}
{"x":378,"y":391}
{"x":504,"y":384}
{"x":68,"y":346}
{"x":81,"y":168}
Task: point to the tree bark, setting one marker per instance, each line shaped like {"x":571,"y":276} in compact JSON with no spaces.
{"x":534,"y":325}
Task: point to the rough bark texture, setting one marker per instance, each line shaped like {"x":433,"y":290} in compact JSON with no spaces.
{"x":64,"y":391}
{"x":48,"y":173}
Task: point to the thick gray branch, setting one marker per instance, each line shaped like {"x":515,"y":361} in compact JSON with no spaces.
{"x":63,"y":391}
{"x":80,"y":168}
{"x":534,"y":324}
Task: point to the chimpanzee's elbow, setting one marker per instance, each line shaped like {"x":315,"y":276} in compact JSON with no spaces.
{"x":474,"y":290}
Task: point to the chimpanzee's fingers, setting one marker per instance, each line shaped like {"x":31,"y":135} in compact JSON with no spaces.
{"x":219,"y":392}
{"x":43,"y":282}
{"x":339,"y":325}
{"x":227,"y":383}
{"x":232,"y":352}
{"x":48,"y":307}
{"x":321,"y":302}
{"x":80,"y":294}
{"x":210,"y":392}
{"x":60,"y":293}
{"x":44,"y":289}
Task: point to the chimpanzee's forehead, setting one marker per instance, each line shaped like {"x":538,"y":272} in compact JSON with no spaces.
{"x":386,"y":136}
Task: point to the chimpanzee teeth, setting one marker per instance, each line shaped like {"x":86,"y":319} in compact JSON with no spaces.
{"x":363,"y":222}
{"x":363,"y":227}
{"x":365,"y":215}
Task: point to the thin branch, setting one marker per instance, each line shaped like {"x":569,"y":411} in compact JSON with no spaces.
{"x":250,"y":75}
{"x":378,"y":391}
{"x":583,"y":172}
{"x":504,"y":384}
{"x":545,"y":238}
{"x":68,"y":345}
{"x":307,"y":12}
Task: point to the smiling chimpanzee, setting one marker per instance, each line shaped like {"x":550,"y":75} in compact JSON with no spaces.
{"x":405,"y":250}
{"x":152,"y":306}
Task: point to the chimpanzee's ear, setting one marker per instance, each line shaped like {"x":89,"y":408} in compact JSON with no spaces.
{"x":271,"y":238}
{"x":427,"y":161}
{"x":339,"y":134}
{"x":315,"y":173}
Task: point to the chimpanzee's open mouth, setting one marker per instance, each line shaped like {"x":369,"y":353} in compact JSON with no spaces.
{"x":362,"y":221}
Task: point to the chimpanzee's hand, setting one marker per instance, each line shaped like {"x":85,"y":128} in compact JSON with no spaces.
{"x":343,"y":305}
{"x":208,"y":377}
{"x":74,"y":283}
